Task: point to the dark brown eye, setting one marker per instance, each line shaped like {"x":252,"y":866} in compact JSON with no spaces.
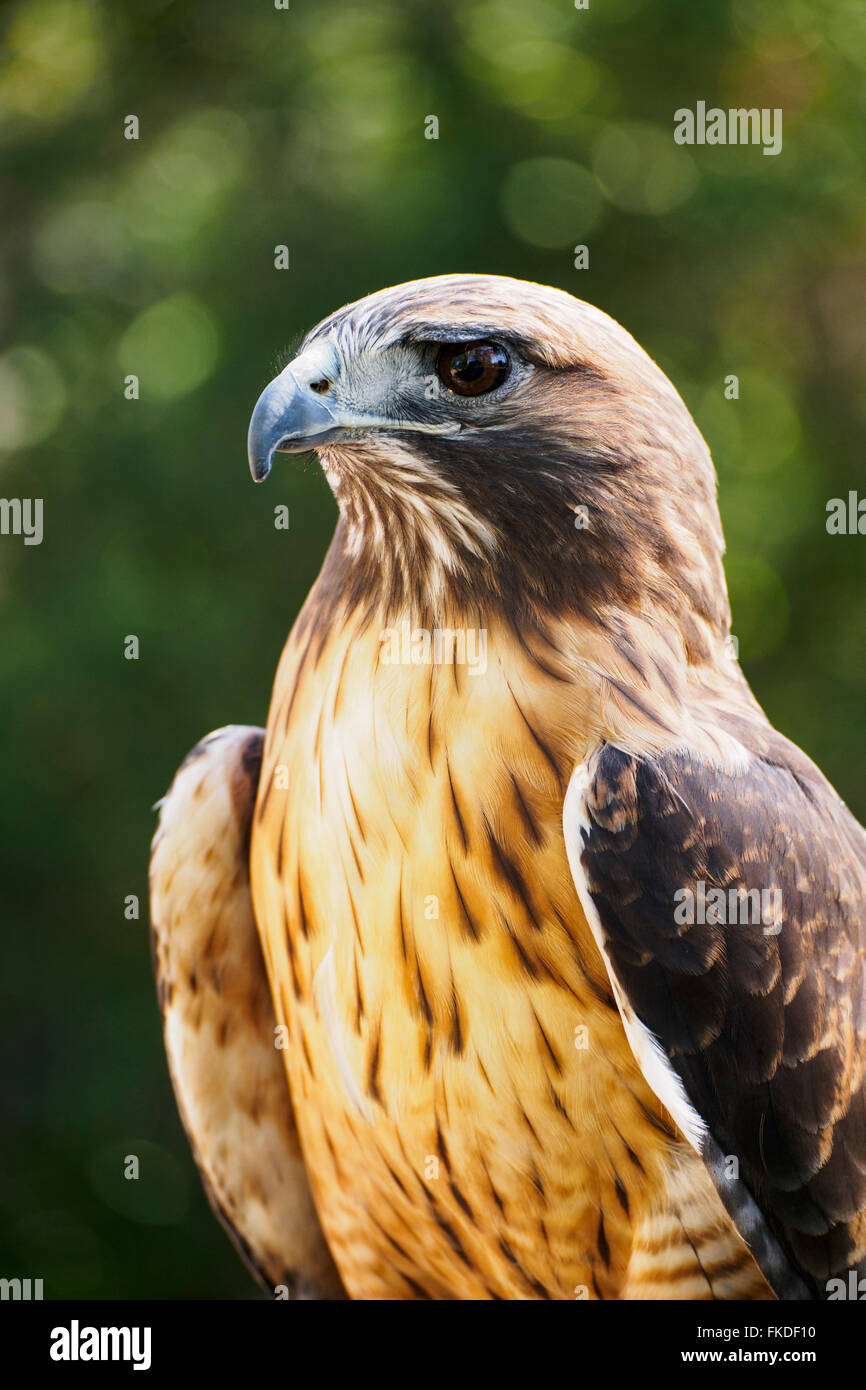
{"x":472,"y":369}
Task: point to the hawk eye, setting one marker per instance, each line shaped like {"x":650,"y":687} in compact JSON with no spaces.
{"x":472,"y":369}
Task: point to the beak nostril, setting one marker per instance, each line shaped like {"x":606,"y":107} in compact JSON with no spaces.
{"x":321,"y":386}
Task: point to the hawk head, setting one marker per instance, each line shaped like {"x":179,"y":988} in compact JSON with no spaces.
{"x":491,"y":439}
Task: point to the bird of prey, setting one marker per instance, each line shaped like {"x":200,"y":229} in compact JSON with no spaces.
{"x":520,"y":957}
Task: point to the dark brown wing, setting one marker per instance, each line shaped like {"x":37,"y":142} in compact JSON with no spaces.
{"x":762,"y":1021}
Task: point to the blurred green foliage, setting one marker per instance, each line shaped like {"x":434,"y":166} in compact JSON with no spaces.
{"x":305,"y":127}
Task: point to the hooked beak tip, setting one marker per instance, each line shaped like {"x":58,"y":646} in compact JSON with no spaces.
{"x":261,"y":465}
{"x":286,"y":418}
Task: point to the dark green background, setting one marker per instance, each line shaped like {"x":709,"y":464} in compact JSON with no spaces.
{"x":257,"y":128}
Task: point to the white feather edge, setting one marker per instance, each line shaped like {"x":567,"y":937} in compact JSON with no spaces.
{"x":325,"y":995}
{"x":648,"y":1052}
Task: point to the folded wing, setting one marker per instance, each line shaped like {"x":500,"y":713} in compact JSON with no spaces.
{"x":218,"y":1017}
{"x":747,"y":1014}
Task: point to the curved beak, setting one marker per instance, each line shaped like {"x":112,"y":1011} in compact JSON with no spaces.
{"x":288,"y":418}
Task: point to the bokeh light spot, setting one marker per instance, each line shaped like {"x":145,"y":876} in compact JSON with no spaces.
{"x":53,"y":53}
{"x":550,"y":202}
{"x":641,"y":169}
{"x":172,"y":347}
{"x":79,"y":246}
{"x":32,"y":397}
